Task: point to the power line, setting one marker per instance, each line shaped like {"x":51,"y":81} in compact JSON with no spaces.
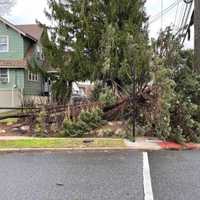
{"x":158,"y":15}
{"x":184,"y":15}
{"x":181,"y":14}
{"x":165,"y":11}
{"x":161,"y":14}
{"x":185,"y":28}
{"x":188,"y":13}
{"x":176,"y":14}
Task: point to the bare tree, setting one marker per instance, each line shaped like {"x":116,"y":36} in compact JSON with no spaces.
{"x":6,"y":5}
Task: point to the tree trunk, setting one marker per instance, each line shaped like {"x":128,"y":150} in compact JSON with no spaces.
{"x":197,"y":36}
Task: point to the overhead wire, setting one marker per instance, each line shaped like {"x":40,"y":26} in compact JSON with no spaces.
{"x":184,"y":15}
{"x":181,"y":14}
{"x":176,"y":14}
{"x":185,"y":28}
{"x":164,"y":11}
{"x":188,"y":13}
{"x":161,"y":14}
{"x":184,"y":18}
{"x":181,"y":18}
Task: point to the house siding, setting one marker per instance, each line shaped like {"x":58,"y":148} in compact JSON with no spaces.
{"x":16,"y":44}
{"x":11,"y":93}
{"x":32,"y":87}
{"x":16,"y":80}
{"x":11,"y":99}
{"x":18,"y":87}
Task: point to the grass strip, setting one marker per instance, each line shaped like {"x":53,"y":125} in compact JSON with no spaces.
{"x":60,"y":143}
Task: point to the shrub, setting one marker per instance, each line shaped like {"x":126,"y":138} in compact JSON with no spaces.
{"x":40,"y":125}
{"x":72,"y":128}
{"x":184,"y":121}
{"x":86,"y":121}
{"x":96,"y":91}
{"x":107,"y":97}
{"x":178,"y":116}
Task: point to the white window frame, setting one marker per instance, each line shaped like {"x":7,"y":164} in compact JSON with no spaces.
{"x":8,"y":74}
{"x":34,"y":76}
{"x":7,"y":39}
{"x":39,"y":52}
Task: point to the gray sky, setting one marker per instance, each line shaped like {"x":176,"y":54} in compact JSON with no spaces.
{"x":27,"y":11}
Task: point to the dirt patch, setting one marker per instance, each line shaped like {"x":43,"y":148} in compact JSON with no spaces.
{"x":114,"y":129}
{"x":13,"y":130}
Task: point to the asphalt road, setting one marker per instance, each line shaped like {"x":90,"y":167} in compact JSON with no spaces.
{"x":71,"y":176}
{"x":175,"y":175}
{"x":98,"y":175}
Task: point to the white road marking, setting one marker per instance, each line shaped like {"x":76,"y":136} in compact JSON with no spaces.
{"x":148,"y":192}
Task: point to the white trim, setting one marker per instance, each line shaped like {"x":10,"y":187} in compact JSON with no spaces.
{"x":16,"y":29}
{"x":11,"y":25}
{"x":148,"y":192}
{"x":7,"y":38}
{"x":35,"y":75}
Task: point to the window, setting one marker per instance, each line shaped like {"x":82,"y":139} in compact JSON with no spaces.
{"x":39,"y":52}
{"x":3,"y":75}
{"x":32,"y":76}
{"x":4,"y":44}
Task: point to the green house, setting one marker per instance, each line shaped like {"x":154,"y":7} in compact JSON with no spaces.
{"x":18,"y":44}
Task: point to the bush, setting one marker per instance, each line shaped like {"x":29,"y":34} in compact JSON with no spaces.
{"x":40,"y":126}
{"x":72,"y":128}
{"x":96,"y":91}
{"x":184,"y":122}
{"x":178,"y":116}
{"x":107,"y":97}
{"x":87,"y":121}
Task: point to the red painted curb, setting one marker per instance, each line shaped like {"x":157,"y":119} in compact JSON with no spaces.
{"x":175,"y":146}
{"x":191,"y":146}
{"x":170,"y":145}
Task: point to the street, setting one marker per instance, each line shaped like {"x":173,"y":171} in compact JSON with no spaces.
{"x":99,"y":175}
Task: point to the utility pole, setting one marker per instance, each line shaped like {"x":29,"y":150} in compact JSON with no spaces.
{"x":161,"y":14}
{"x":133,"y":101}
{"x":197,"y":35}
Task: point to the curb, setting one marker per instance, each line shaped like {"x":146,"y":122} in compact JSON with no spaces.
{"x":23,"y":150}
{"x":178,"y":147}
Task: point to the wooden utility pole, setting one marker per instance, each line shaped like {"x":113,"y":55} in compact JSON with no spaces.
{"x":197,"y":35}
{"x":133,"y":101}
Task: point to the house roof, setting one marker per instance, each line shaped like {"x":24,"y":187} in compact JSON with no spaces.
{"x":31,"y":31}
{"x":34,"y":30}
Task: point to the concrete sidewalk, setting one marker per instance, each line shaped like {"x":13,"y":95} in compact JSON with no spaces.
{"x":14,"y":137}
{"x":144,"y":143}
{"x":151,"y":144}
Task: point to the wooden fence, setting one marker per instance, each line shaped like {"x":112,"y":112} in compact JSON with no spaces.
{"x":68,"y":109}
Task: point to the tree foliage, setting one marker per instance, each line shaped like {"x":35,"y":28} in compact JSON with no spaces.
{"x":97,"y":40}
{"x":103,"y":40}
{"x":180,"y":104}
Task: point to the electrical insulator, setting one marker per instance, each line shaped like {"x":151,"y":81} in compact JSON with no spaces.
{"x":188,"y":1}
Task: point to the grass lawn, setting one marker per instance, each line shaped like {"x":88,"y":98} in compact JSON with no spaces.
{"x":60,"y":143}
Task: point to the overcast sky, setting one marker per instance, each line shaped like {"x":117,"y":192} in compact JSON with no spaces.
{"x":27,"y":11}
